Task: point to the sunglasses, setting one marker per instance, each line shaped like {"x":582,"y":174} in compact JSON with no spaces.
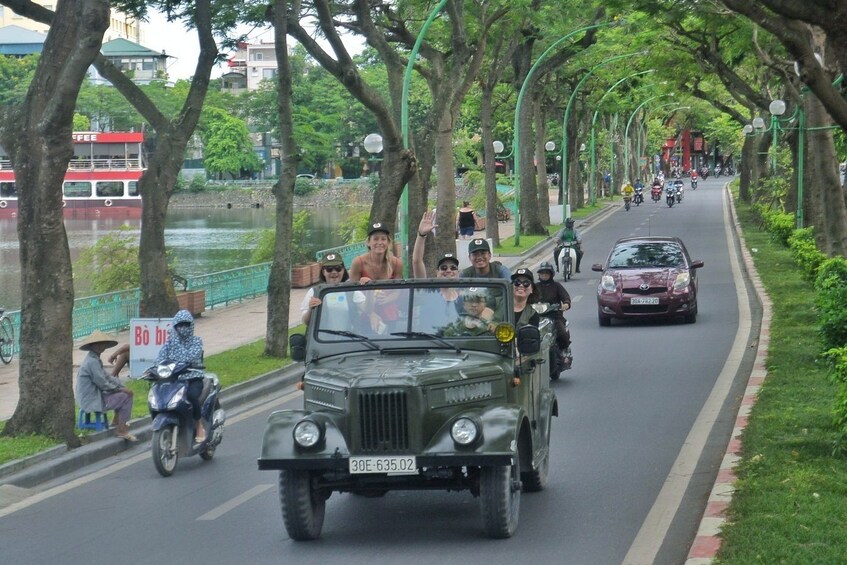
{"x":522,"y":282}
{"x":333,"y":269}
{"x":448,"y":268}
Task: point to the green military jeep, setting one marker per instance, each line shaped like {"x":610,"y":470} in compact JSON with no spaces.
{"x":423,"y":384}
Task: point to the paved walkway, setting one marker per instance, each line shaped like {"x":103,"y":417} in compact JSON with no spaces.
{"x":221,"y":328}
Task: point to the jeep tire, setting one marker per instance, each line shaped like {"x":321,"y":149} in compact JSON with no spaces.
{"x":500,"y":499}
{"x":302,"y":506}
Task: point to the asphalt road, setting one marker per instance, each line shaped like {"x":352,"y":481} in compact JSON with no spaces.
{"x":619,"y":490}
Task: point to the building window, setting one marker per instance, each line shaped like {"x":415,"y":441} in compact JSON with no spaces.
{"x":268,"y":73}
{"x":258,"y":56}
{"x":133,"y":187}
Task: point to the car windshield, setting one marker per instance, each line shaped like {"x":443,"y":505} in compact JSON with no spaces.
{"x":646,"y":254}
{"x":459,"y":310}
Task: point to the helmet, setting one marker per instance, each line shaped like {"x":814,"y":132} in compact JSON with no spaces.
{"x":545,"y":266}
{"x":569,"y":223}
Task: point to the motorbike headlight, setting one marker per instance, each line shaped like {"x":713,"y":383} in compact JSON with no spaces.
{"x":307,"y":433}
{"x":165,"y":371}
{"x":607,"y":283}
{"x":464,"y":431}
{"x":682,"y":280}
{"x":177,"y":398}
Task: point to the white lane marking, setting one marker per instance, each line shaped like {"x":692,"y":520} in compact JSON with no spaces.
{"x":216,"y":513}
{"x":655,"y":528}
{"x":44,"y":495}
{"x":575,"y":299}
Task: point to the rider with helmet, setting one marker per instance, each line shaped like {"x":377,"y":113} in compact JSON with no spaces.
{"x":568,"y":234}
{"x":552,"y":292}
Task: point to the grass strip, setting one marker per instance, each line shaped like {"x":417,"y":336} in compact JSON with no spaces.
{"x":790,"y":502}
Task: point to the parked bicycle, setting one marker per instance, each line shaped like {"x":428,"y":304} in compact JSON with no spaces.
{"x":7,"y":338}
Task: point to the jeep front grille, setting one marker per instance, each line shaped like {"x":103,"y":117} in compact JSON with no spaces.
{"x":384,"y":421}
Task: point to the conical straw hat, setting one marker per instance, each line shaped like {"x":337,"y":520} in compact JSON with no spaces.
{"x":98,"y":337}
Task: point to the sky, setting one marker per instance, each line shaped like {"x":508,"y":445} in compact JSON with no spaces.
{"x":175,"y":40}
{"x":182,"y":43}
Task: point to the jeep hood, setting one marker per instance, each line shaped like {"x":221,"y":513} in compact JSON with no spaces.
{"x":374,"y":370}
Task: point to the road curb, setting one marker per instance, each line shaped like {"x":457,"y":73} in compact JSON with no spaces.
{"x":57,"y":461}
{"x":707,"y":542}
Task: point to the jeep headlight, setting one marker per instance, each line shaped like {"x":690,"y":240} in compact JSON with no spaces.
{"x":682,"y":280}
{"x":607,"y":283}
{"x":307,"y":433}
{"x":464,"y":431}
{"x":504,"y":332}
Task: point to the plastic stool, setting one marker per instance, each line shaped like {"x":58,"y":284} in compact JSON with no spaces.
{"x":101,"y":421}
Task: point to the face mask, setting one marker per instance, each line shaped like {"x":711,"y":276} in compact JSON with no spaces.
{"x":183,"y":331}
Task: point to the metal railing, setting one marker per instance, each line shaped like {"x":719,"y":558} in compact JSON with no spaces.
{"x":112,"y":312}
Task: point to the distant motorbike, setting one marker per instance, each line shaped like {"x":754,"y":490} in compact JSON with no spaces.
{"x":678,"y":186}
{"x":670,"y":195}
{"x":560,"y":360}
{"x":627,"y":201}
{"x":568,"y":255}
{"x":693,"y":184}
{"x":656,"y":192}
{"x":638,"y":199}
{"x":173,"y":421}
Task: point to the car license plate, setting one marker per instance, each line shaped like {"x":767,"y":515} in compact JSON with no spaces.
{"x":641,"y":300}
{"x":391,"y":464}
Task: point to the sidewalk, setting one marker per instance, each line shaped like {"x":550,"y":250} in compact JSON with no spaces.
{"x":221,"y":328}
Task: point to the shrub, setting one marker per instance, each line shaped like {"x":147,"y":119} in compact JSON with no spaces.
{"x":304,"y":186}
{"x":831,"y":302}
{"x":197,"y":184}
{"x":780,"y":225}
{"x":111,"y":264}
{"x":837,"y":358}
{"x":301,"y":250}
{"x":805,"y":252}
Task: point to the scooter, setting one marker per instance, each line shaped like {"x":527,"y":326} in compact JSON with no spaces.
{"x":670,"y":196}
{"x":656,"y":193}
{"x":639,"y":196}
{"x":693,"y":184}
{"x":173,"y":421}
{"x":568,"y":259}
{"x":627,"y":201}
{"x":560,"y":360}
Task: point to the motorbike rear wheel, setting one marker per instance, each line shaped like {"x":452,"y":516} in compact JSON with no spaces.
{"x":165,"y":450}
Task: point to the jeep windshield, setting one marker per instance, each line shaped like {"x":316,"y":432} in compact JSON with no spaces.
{"x":406,"y":310}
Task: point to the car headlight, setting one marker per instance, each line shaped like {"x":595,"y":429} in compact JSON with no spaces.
{"x":607,"y":283}
{"x":307,"y":433}
{"x":682,"y":280}
{"x":464,"y":431}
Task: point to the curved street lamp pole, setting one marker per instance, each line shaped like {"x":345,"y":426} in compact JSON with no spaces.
{"x":566,"y":205}
{"x":404,"y":128}
{"x":517,"y":134}
{"x":592,"y":187}
{"x":626,"y":130}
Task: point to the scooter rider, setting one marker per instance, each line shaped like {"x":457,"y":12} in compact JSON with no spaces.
{"x":552,"y":292}
{"x":182,"y":346}
{"x":569,"y":234}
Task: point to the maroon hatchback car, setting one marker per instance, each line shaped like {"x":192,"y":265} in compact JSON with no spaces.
{"x":647,"y":277}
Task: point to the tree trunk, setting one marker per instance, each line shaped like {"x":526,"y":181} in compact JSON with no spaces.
{"x":492,"y":225}
{"x":543,"y":195}
{"x":445,"y":172}
{"x":826,"y":201}
{"x":157,"y":184}
{"x":38,"y":138}
{"x":749,"y":177}
{"x":279,"y":282}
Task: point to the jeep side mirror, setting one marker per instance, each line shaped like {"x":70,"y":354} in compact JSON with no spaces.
{"x":297,"y":345}
{"x":529,"y":340}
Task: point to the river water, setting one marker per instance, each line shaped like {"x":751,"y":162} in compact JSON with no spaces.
{"x":202,"y":240}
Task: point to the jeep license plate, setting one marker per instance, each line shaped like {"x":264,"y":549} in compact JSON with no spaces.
{"x":391,"y":464}
{"x":644,"y":300}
